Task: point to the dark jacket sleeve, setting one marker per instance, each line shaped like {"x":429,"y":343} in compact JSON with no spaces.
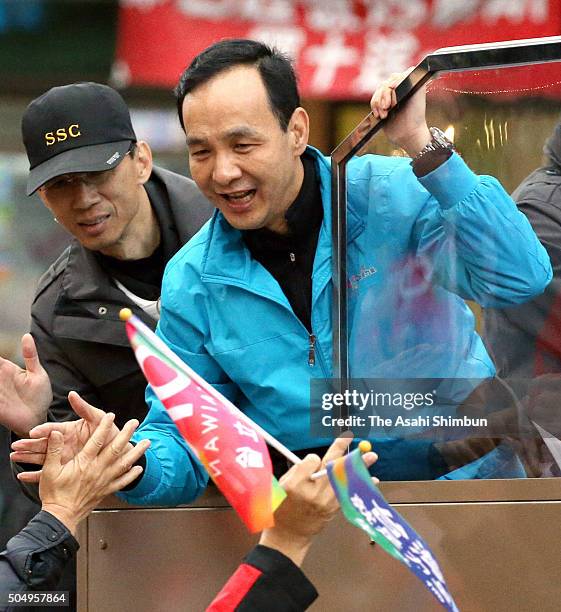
{"x":524,"y":341}
{"x":543,"y":316}
{"x":64,"y":376}
{"x":266,"y":580}
{"x":35,"y":558}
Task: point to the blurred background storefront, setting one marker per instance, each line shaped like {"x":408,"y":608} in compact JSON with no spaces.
{"x":342,"y":49}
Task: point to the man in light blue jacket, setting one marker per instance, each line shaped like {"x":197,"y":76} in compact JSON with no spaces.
{"x":247,"y":302}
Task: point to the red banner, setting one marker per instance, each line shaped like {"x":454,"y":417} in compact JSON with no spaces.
{"x":342,"y":48}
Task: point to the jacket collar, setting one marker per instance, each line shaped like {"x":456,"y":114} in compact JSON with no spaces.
{"x":84,"y":278}
{"x":227,"y":259}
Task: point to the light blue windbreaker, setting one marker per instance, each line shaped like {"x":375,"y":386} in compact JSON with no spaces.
{"x":225,"y":315}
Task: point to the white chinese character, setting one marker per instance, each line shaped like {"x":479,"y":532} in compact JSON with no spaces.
{"x":272,"y":11}
{"x":421,"y":556}
{"x":289,"y":40}
{"x":207,"y":9}
{"x":245,"y":430}
{"x":249,"y":458}
{"x":514,"y":10}
{"x":331,"y":15}
{"x":328,"y":58}
{"x":269,"y":11}
{"x":384,"y":54}
{"x":432,"y":588}
{"x":358,"y":503}
{"x":382,"y":520}
{"x":395,"y":14}
{"x":446,"y":13}
{"x":539,"y":10}
{"x":439,"y":589}
{"x":431,"y":562}
{"x":385,"y":516}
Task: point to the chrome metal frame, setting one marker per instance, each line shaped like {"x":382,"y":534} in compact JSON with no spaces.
{"x":448,"y":59}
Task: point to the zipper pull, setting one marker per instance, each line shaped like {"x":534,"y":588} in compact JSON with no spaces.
{"x":292,"y":257}
{"x":312,"y":351}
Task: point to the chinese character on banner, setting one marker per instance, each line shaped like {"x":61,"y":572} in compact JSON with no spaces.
{"x":329,"y":15}
{"x":328,"y":58}
{"x":341,"y":49}
{"x":396,"y":14}
{"x":402,"y":47}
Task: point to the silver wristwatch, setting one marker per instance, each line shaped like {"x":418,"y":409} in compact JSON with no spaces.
{"x":438,"y":141}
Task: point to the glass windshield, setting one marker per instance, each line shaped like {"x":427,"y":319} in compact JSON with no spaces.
{"x":454,"y":348}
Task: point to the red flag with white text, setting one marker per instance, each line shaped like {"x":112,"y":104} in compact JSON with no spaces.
{"x":226,"y":442}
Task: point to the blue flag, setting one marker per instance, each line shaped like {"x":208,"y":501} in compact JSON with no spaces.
{"x":364,"y":506}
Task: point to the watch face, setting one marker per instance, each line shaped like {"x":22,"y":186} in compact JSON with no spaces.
{"x":439,"y":139}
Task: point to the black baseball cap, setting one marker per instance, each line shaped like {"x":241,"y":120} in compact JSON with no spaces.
{"x":83,"y":127}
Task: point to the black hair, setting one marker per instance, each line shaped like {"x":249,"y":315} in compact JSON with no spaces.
{"x":274,"y":67}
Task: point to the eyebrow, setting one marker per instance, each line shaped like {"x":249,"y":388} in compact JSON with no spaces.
{"x":235,"y":132}
{"x":242,"y":131}
{"x":193,"y":140}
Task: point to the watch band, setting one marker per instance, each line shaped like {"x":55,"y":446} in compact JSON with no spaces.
{"x":438,"y":141}
{"x":433,"y":154}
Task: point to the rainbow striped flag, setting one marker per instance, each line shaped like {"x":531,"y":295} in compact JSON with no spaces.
{"x":364,"y":506}
{"x":226,"y":442}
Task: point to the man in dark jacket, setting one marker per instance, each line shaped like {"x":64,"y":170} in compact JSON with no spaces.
{"x":525,"y":341}
{"x":128,"y":219}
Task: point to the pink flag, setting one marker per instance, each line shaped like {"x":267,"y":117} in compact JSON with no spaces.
{"x":227,"y":442}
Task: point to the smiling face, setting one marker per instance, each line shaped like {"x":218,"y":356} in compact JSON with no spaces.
{"x":105,"y":211}
{"x":239,"y":156}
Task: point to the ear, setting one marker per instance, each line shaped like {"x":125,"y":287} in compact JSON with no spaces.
{"x":143,"y":161}
{"x":299,"y":130}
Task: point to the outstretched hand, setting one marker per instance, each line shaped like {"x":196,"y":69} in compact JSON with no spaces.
{"x":25,"y":394}
{"x":105,"y":464}
{"x":75,"y":436}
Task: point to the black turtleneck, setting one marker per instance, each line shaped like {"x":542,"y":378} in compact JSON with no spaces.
{"x":290,"y":257}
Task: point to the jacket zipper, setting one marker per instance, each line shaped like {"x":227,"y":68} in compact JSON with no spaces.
{"x":311,"y":336}
{"x":312,"y":351}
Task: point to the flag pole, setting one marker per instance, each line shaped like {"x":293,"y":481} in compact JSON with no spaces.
{"x":364,"y":447}
{"x":126,"y":315}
